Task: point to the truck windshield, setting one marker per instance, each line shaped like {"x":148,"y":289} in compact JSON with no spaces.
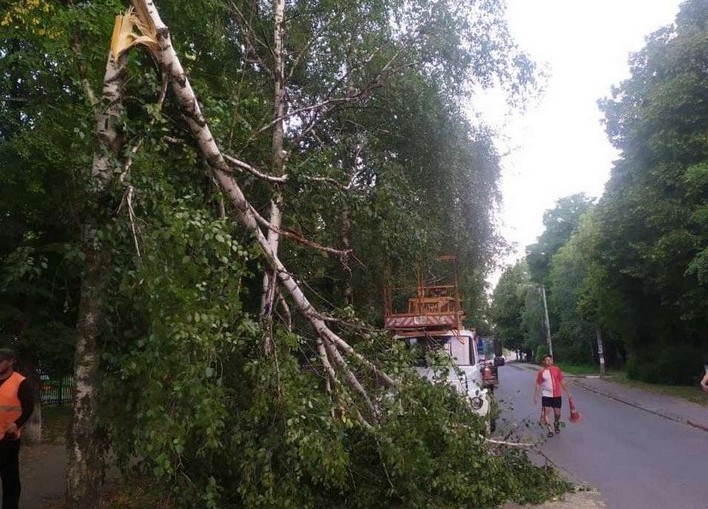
{"x":456,"y":347}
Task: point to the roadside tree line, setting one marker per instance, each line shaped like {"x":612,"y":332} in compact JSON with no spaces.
{"x":631,"y":267}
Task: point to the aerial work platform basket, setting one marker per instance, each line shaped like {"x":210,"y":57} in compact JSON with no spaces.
{"x":434,"y":304}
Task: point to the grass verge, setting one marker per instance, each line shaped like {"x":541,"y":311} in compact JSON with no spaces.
{"x":689,"y":393}
{"x":55,"y":423}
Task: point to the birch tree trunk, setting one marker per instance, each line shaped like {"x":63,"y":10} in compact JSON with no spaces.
{"x":600,"y":350}
{"x":85,"y":448}
{"x":346,"y":246}
{"x":32,"y":430}
{"x":85,"y":466}
{"x":278,"y":154}
{"x":346,"y":232}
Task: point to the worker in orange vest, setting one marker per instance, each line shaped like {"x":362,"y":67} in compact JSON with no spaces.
{"x":16,"y":406}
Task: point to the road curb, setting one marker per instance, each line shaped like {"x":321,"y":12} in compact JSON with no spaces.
{"x":665,"y":415}
{"x":695,"y":424}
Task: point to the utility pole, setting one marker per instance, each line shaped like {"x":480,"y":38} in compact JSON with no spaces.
{"x":548,"y":323}
{"x":600,"y":350}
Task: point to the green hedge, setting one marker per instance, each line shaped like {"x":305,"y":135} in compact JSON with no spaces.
{"x":668,"y":364}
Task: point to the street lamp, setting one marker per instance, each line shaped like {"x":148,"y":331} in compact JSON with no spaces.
{"x":548,"y":323}
{"x":545,"y":314}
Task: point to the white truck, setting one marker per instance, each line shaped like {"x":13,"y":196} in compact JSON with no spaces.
{"x":467,"y":378}
{"x":429,"y":317}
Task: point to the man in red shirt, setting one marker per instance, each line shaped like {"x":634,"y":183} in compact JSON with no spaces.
{"x":549,"y":382}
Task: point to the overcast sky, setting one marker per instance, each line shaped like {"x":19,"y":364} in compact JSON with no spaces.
{"x":559,"y":147}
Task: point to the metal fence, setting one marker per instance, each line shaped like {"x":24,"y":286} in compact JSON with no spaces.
{"x":57,"y":392}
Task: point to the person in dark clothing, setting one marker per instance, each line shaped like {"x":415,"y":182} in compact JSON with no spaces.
{"x":16,"y":406}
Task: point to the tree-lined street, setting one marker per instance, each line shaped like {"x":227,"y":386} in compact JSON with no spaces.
{"x":221,"y":221}
{"x":636,"y":459}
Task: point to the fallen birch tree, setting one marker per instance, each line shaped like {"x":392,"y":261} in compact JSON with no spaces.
{"x":168,"y":60}
{"x":351,"y":379}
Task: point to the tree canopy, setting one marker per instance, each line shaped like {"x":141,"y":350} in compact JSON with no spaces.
{"x":652,"y":237}
{"x":633,"y":266}
{"x":225,"y":211}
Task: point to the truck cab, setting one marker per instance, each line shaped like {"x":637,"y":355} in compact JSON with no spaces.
{"x":460,"y":346}
{"x":429,"y":317}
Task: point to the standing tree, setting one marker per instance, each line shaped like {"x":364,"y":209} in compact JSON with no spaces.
{"x":652,"y":228}
{"x":508,"y":301}
{"x":560,"y":223}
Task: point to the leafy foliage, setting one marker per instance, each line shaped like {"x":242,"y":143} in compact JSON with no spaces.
{"x":508,"y":302}
{"x":189,"y":398}
{"x":658,"y":119}
{"x":560,"y":223}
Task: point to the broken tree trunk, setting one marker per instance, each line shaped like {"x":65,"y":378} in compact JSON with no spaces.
{"x":84,"y":446}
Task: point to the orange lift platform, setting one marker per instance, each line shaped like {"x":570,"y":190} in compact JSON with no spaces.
{"x":428,"y":307}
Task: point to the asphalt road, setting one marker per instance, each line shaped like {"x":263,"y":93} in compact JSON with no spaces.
{"x":636,"y":459}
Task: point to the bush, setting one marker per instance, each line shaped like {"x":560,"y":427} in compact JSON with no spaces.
{"x":669,"y":365}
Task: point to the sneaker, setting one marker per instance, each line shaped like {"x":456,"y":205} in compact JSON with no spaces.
{"x":550,"y":434}
{"x":557,"y":428}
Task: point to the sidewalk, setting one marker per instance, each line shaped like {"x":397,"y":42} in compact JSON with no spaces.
{"x":42,"y":470}
{"x":577,"y":500}
{"x":675,"y":409}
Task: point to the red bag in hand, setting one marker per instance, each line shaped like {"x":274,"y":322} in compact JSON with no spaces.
{"x":574,"y":414}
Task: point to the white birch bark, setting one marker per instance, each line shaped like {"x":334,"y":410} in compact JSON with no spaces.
{"x":85,"y":451}
{"x":109,"y":139}
{"x":32,"y":429}
{"x":276,"y":216}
